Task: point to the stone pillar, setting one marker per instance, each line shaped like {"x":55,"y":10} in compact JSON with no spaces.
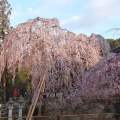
{"x":20,"y":107}
{"x":10,"y":108}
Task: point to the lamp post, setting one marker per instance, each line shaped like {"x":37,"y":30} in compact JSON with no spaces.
{"x":10,"y":108}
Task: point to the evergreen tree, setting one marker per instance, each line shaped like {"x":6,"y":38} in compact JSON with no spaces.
{"x":5,"y":12}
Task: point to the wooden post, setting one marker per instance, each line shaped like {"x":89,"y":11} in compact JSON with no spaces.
{"x":37,"y":94}
{"x":59,"y":117}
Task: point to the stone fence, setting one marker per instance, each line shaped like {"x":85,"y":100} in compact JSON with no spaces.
{"x":103,"y":116}
{"x":95,"y":111}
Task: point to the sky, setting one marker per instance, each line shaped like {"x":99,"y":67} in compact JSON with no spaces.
{"x":78,"y":16}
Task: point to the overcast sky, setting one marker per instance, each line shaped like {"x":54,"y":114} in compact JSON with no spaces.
{"x":78,"y":16}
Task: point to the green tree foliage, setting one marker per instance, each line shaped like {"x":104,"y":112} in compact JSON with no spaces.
{"x":5,"y":12}
{"x":114,"y":43}
{"x":22,"y":83}
{"x":111,"y":42}
{"x":22,"y":76}
{"x":117,"y":42}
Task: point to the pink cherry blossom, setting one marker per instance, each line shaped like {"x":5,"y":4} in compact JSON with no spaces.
{"x":41,"y":43}
{"x":102,"y":81}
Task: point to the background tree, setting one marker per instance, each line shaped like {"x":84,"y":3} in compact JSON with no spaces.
{"x":111,"y":42}
{"x":117,"y":43}
{"x":114,"y":43}
{"x":5,"y":12}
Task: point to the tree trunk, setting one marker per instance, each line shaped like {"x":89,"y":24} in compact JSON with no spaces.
{"x":4,"y":81}
{"x":4,"y":90}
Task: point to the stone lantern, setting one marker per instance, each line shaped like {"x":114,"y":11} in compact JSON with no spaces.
{"x":0,"y":109}
{"x":20,"y":107}
{"x":10,"y":108}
